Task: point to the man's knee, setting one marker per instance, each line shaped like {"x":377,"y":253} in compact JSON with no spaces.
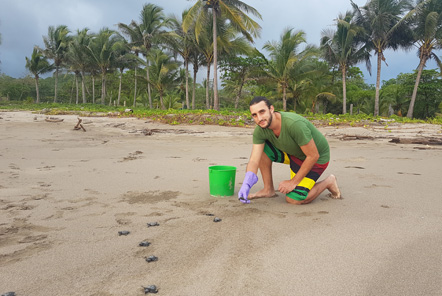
{"x":296,"y":202}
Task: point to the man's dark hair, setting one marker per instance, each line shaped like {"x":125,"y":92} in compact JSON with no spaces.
{"x":256,"y":100}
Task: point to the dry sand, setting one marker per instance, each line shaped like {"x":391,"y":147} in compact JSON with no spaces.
{"x":65,"y":194}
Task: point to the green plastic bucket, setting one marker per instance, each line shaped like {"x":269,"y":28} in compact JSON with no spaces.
{"x":222,"y":180}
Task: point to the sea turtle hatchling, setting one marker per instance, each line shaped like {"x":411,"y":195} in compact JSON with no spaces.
{"x":217,"y":219}
{"x":144,"y":244}
{"x":124,"y":232}
{"x":151,"y":258}
{"x":150,"y":289}
{"x":153,"y":224}
{"x":9,"y":294}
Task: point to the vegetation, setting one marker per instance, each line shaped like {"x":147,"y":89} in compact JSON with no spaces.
{"x":145,"y":65}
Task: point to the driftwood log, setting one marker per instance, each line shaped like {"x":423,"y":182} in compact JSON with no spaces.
{"x":79,"y":125}
{"x":423,"y":141}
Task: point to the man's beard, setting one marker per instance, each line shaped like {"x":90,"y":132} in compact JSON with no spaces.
{"x":270,"y":121}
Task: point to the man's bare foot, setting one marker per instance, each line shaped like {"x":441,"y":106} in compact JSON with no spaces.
{"x":334,"y":189}
{"x":262,"y":193}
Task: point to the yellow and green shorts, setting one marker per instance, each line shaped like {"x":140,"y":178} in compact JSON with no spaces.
{"x":303,"y":188}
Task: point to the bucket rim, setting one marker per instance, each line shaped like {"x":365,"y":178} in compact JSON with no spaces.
{"x":222,"y":168}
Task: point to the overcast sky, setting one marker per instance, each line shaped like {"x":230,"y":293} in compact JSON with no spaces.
{"x":23,"y":23}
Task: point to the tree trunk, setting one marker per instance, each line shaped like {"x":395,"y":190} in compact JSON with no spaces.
{"x":186,"y":62}
{"x":135,"y":87}
{"x":378,"y":83}
{"x":344,"y":91}
{"x":284,"y":98}
{"x":36,"y":89}
{"x":56,"y":84}
{"x":215,"y":66}
{"x":103,"y":87}
{"x":119,"y":87}
{"x":207,"y":88}
{"x":416,"y":85}
{"x":93,"y":89}
{"x":83,"y":88}
{"x":238,"y":95}
{"x":148,"y":84}
{"x":194,"y":87}
{"x":76,"y":89}
{"x":161,"y":99}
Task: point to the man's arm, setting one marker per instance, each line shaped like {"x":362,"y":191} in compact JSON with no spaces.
{"x":255,"y":158}
{"x":312,"y":156}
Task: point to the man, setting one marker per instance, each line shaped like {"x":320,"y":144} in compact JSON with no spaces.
{"x":291,"y":139}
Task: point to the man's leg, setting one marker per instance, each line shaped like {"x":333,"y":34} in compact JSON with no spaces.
{"x":265,"y":166}
{"x":329,"y":183}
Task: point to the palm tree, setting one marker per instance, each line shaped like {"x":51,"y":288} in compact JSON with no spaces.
{"x":183,"y":43}
{"x":343,"y":47}
{"x":228,"y":43}
{"x":57,"y":44}
{"x":124,"y":59}
{"x":428,"y":32}
{"x":78,"y":56}
{"x":196,"y":58}
{"x":37,"y":65}
{"x":283,"y":57}
{"x":163,"y":71}
{"x":386,"y":28}
{"x":103,"y":50}
{"x":233,"y":10}
{"x":148,"y":33}
{"x":136,"y":44}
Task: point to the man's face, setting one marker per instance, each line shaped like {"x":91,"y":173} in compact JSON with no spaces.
{"x":261,"y":114}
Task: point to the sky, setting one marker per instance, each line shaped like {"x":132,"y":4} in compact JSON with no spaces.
{"x":23,"y":23}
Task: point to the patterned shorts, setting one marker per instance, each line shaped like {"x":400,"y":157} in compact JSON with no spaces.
{"x":303,"y":188}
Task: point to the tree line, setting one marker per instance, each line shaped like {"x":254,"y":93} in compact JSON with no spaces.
{"x":149,"y":58}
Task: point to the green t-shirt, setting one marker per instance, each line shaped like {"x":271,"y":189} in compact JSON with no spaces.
{"x":296,"y":131}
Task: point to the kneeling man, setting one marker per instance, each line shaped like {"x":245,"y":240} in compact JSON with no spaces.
{"x":291,"y":139}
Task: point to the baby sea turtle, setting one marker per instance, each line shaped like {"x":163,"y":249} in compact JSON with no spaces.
{"x":144,"y":244}
{"x":217,"y":219}
{"x":9,"y":294}
{"x":124,"y":232}
{"x":151,"y":258}
{"x":153,"y":224}
{"x":150,"y":289}
{"x":209,"y":214}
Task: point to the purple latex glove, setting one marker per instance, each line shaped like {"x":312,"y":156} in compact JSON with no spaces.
{"x":249,"y":180}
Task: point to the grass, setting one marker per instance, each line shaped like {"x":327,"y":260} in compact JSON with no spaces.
{"x":202,"y":117}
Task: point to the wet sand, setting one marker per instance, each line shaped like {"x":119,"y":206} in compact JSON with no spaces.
{"x":65,"y":194}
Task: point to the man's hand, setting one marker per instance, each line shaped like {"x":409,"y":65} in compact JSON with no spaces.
{"x":249,"y":180}
{"x":286,"y":186}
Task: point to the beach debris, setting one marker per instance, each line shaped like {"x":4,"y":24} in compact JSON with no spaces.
{"x":217,"y":219}
{"x":79,"y":125}
{"x":123,"y":232}
{"x":151,"y":224}
{"x":9,"y":294}
{"x":144,"y":244}
{"x":356,"y":137}
{"x":423,"y":141}
{"x":54,"y":119}
{"x":147,"y":132}
{"x":151,"y":258}
{"x":150,"y":289}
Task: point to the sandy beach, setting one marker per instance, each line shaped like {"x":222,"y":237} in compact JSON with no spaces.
{"x":65,"y":194}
